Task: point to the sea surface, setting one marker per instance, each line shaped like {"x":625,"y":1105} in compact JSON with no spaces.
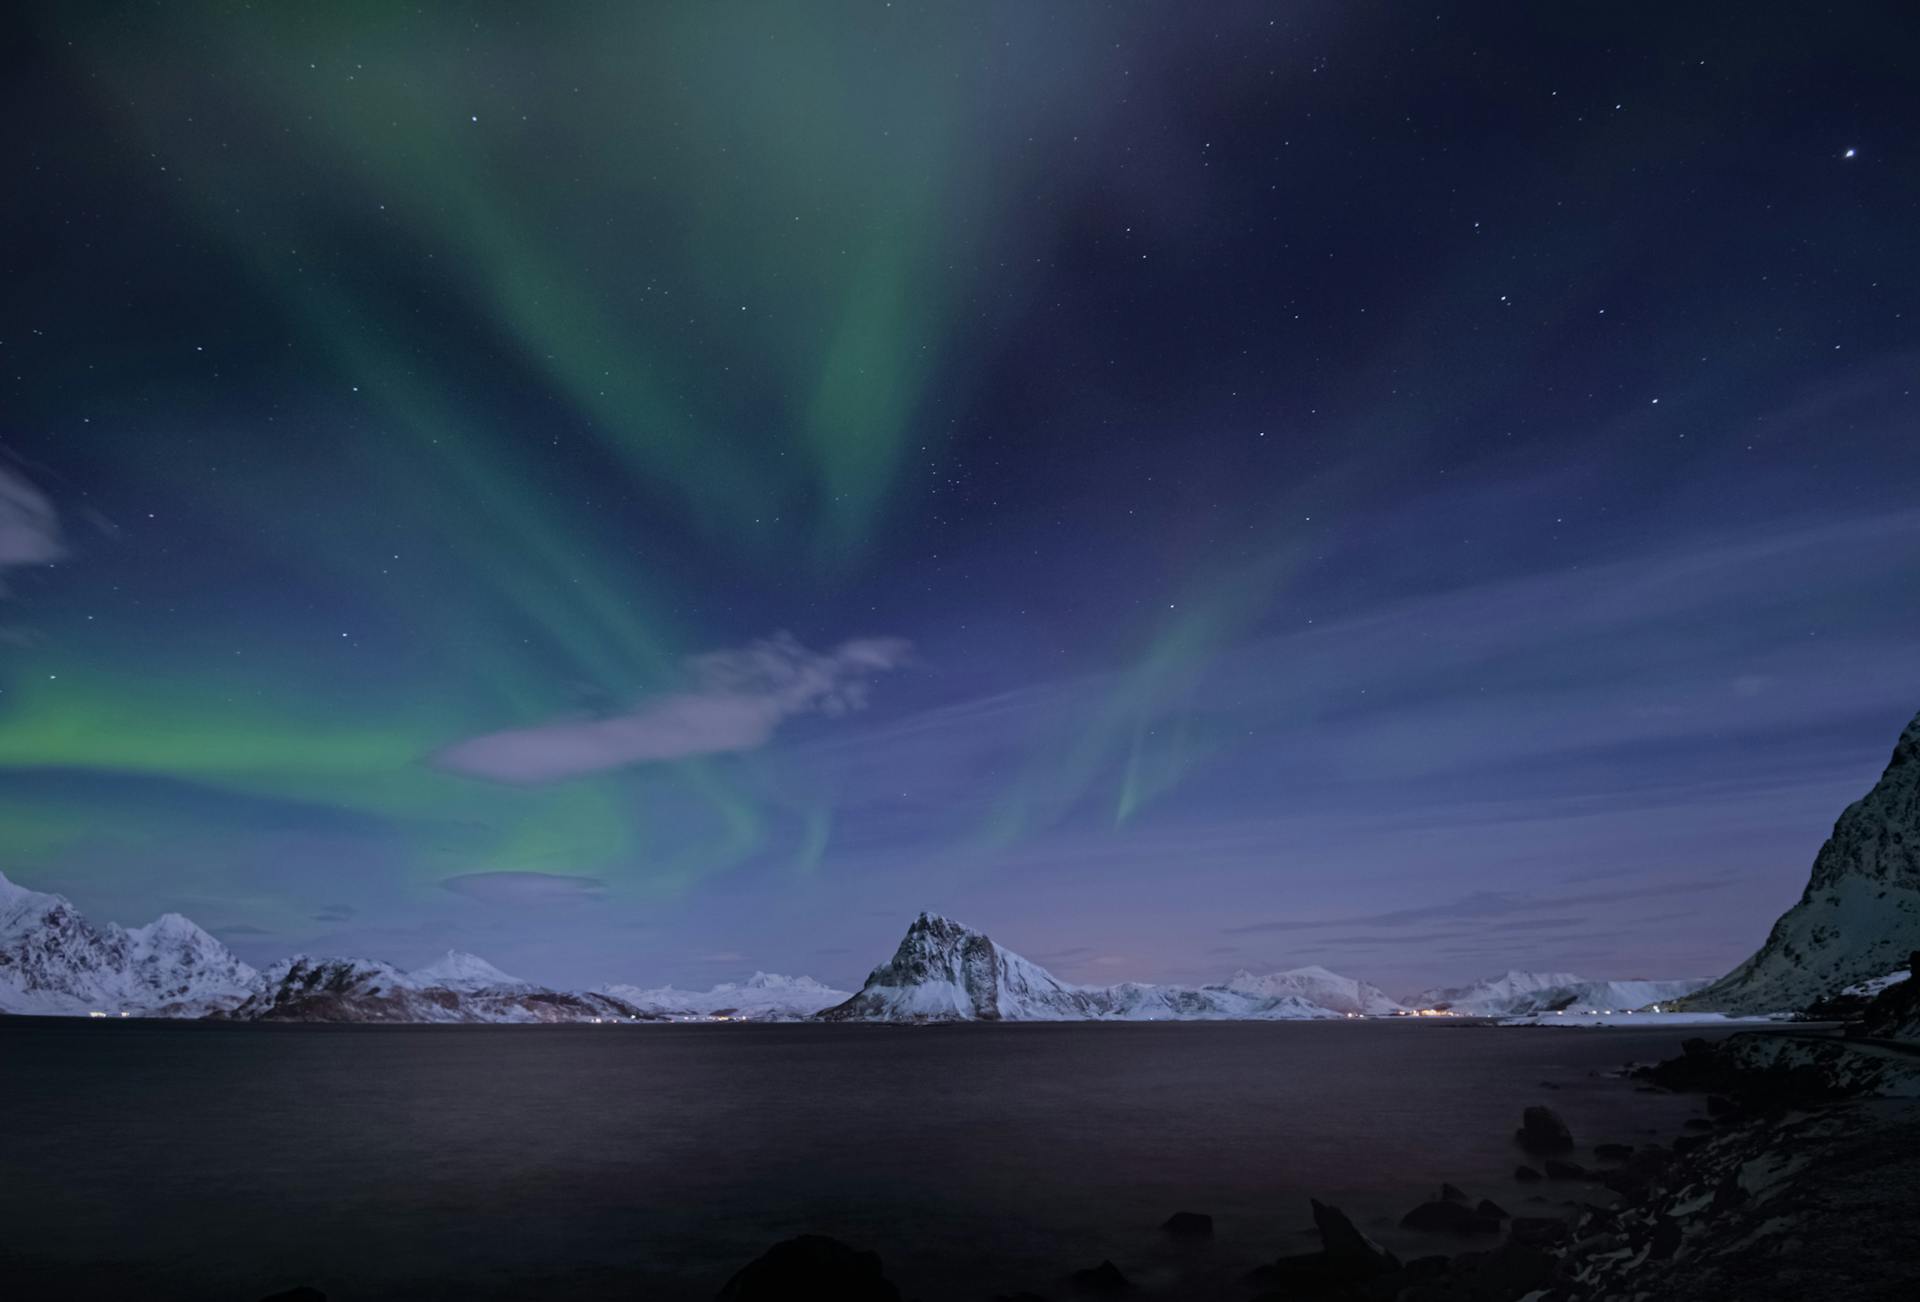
{"x":211,"y":1161}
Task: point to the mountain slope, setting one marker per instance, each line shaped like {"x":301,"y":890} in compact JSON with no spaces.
{"x":765,"y":996}
{"x":1320,"y":987}
{"x":53,"y":960}
{"x":1516,"y":993}
{"x":304,"y":989}
{"x":944,"y":971}
{"x":456,"y":970}
{"x":1859,"y":916}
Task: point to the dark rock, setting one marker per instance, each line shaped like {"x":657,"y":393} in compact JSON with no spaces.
{"x":809,"y":1266}
{"x":1666,"y":1239}
{"x":1509,"y":1271}
{"x":1728,"y":1194}
{"x":1719,"y":1103}
{"x":1538,"y":1231}
{"x":1453,"y":1194}
{"x":1527,"y":1175}
{"x":1104,"y":1280}
{"x":1439,"y":1217}
{"x":1189,"y":1225}
{"x":1613,"y":1152}
{"x":1426,"y":1267}
{"x":1697,"y":1123}
{"x":1542,"y":1131}
{"x":301,"y":1294}
{"x":1344,"y":1245}
{"x":1687,"y":1143}
{"x":1490,"y":1208}
{"x":1559,"y":1170}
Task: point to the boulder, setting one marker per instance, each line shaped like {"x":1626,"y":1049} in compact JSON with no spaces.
{"x":1104,"y":1280}
{"x":809,"y":1266}
{"x":1344,"y":1245}
{"x":1441,"y":1217}
{"x":1527,"y":1175}
{"x":1542,"y":1131}
{"x":1559,"y":1170}
{"x":1491,"y":1209}
{"x":1189,"y":1225}
{"x":1453,"y":1194}
{"x":1613,"y":1152}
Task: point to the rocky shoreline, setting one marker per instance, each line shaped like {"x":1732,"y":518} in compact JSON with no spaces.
{"x":1798,"y":1183}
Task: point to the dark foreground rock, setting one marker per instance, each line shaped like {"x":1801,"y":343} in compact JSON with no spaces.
{"x":1189,"y":1225}
{"x":811,"y":1266}
{"x":1542,"y":1131}
{"x":1104,"y":1280}
{"x":1447,"y":1217}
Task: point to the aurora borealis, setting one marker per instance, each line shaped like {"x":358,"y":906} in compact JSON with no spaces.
{"x":646,"y":492}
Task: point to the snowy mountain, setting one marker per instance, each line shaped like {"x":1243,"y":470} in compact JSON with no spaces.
{"x":53,"y":960}
{"x":763,"y":997}
{"x":1860,"y":914}
{"x":456,"y":970}
{"x":1513,"y":994}
{"x":1318,"y":986}
{"x":303,"y":989}
{"x":944,"y":971}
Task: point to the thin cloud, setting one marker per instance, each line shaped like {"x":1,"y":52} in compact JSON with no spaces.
{"x":29,"y":526}
{"x":1484,"y":904}
{"x":526,"y":888}
{"x":737,"y":700}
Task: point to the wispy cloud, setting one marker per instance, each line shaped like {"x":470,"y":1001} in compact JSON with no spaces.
{"x":29,"y":526}
{"x":736,"y":700}
{"x":525,"y":888}
{"x":1491,"y":904}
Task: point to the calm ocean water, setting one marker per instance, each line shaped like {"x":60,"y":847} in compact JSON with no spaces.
{"x":211,"y":1162}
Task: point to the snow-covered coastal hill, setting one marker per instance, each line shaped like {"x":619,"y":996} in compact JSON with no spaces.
{"x":456,"y":970}
{"x":1514,"y":994}
{"x":54,"y":961}
{"x":945,"y":971}
{"x":1859,"y":916}
{"x":763,"y":997}
{"x":1318,"y":986}
{"x":304,"y":989}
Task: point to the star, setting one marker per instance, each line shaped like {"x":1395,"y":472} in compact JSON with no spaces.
{"x":1850,"y":153}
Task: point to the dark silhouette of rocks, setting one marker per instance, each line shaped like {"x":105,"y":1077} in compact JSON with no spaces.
{"x":1189,"y":1225}
{"x":1542,"y":1131}
{"x":1527,"y":1175}
{"x":1445,"y":1217}
{"x":1538,"y":1231}
{"x":811,"y":1266}
{"x":1613,"y":1152}
{"x":1104,"y":1280}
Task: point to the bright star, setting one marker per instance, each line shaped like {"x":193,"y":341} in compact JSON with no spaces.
{"x":1850,"y":153}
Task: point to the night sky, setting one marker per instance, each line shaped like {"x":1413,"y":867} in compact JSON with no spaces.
{"x":650,"y":492}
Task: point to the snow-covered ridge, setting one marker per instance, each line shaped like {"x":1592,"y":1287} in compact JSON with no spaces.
{"x":1513,"y":994}
{"x":1859,"y":916}
{"x":765,"y":996}
{"x":54,"y":961}
{"x":945,"y":971}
